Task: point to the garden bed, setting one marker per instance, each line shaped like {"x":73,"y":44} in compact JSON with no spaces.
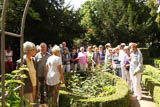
{"x":118,"y":98}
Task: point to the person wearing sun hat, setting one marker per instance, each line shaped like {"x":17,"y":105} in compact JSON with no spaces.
{"x":108,"y":58}
{"x":116,"y":62}
{"x":121,"y":58}
{"x":66,"y":60}
{"x":107,"y":46}
{"x":127,"y":67}
{"x":102,"y":55}
{"x":136,"y":67}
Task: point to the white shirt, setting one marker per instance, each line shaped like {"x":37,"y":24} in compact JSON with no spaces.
{"x":53,"y":76}
{"x":121,"y":56}
{"x":8,"y":56}
{"x":136,"y":64}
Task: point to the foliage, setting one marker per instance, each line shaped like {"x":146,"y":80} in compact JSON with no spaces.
{"x":48,"y":20}
{"x":151,"y":71}
{"x":153,"y":86}
{"x":91,"y":85}
{"x":120,"y":98}
{"x":117,"y":21}
{"x":156,"y":62}
{"x":12,"y":82}
{"x":153,"y":4}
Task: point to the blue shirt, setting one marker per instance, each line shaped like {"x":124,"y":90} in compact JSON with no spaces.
{"x":102,"y":54}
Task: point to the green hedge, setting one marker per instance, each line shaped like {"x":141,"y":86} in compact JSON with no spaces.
{"x":156,"y":62}
{"x":119,"y":99}
{"x":153,"y":87}
{"x":152,"y":71}
{"x":151,"y":80}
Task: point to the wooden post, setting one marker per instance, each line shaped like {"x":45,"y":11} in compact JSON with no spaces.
{"x":2,"y":50}
{"x":22,"y":41}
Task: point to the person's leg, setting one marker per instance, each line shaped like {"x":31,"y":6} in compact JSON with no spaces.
{"x":75,"y":67}
{"x":68,"y":68}
{"x":85,"y":66}
{"x":41,"y":80}
{"x":34,"y":92}
{"x":29,"y":98}
{"x":6,"y":67}
{"x":132,"y":83}
{"x":72,"y":66}
{"x":81,"y":67}
{"x":50,"y":95}
{"x":119,"y":72}
{"x":64,"y":68}
{"x":11,"y":66}
{"x":128,"y":79}
{"x":138,"y":86}
{"x":55,"y":95}
{"x":123,"y":72}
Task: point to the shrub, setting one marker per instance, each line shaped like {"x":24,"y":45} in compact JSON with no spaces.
{"x":151,"y":80}
{"x":156,"y":62}
{"x":93,"y":84}
{"x":119,"y":99}
{"x":153,"y":87}
{"x":12,"y":85}
{"x":152,"y":71}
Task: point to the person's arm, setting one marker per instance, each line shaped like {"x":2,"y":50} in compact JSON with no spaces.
{"x":61,"y":73}
{"x":75,"y":59}
{"x":46,"y":74}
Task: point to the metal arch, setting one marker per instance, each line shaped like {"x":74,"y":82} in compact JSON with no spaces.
{"x":3,"y":33}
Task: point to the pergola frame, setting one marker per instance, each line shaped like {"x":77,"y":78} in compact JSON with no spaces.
{"x":3,"y":34}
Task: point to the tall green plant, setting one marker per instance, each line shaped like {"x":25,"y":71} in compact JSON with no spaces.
{"x":13,"y":82}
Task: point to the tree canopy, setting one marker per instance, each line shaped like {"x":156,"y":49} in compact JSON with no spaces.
{"x":96,"y":22}
{"x":118,"y":21}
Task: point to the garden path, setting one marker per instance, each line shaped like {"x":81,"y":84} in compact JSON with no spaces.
{"x":146,"y":101}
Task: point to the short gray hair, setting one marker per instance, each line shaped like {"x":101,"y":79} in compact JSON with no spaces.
{"x":43,"y":44}
{"x":27,"y":46}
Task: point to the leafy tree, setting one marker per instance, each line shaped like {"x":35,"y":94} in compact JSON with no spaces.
{"x":117,"y":21}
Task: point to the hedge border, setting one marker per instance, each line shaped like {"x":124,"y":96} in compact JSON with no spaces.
{"x":153,"y":87}
{"x":119,"y":99}
{"x":156,"y":62}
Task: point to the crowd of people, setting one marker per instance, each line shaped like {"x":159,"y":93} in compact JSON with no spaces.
{"x":47,"y":65}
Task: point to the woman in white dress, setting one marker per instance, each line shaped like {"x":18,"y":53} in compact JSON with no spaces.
{"x":54,"y":75}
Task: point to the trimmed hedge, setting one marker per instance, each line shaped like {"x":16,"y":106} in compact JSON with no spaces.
{"x":156,"y":62}
{"x":151,"y":80}
{"x":119,"y":99}
{"x":153,"y":87}
{"x":152,"y":71}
